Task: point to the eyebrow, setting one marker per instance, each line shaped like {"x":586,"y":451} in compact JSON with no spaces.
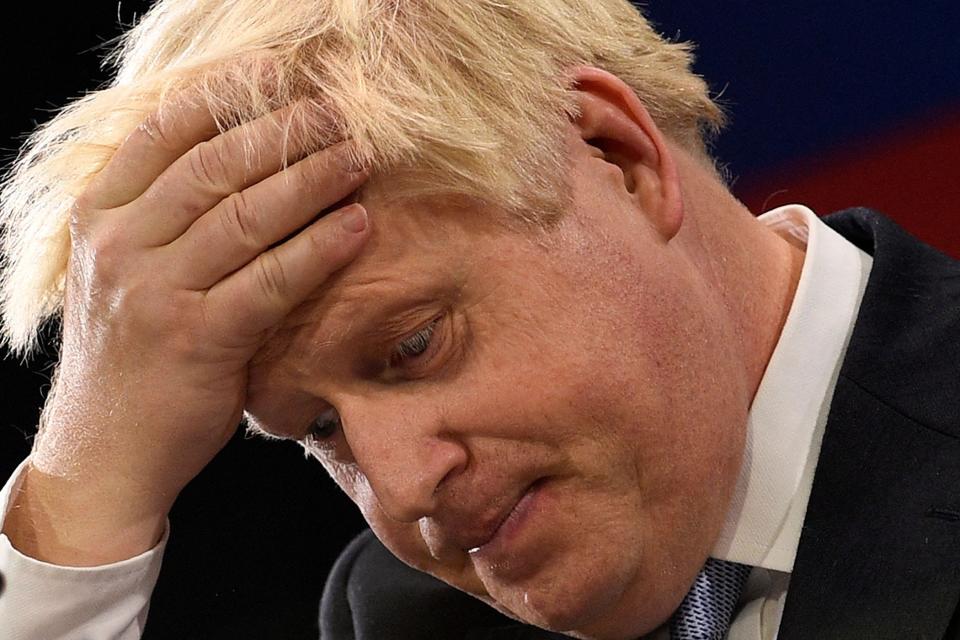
{"x":384,"y":318}
{"x":390,"y":321}
{"x":372,"y":322}
{"x":395,"y":319}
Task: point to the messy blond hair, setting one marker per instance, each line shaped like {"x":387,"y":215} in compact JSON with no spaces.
{"x":443,"y":96}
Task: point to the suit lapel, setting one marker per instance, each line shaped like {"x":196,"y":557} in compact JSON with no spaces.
{"x":879,"y":555}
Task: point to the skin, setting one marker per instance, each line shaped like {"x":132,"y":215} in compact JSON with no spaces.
{"x":600,"y":356}
{"x":611,"y":359}
{"x":172,"y":286}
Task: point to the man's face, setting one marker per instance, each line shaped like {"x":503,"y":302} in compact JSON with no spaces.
{"x":551,"y":420}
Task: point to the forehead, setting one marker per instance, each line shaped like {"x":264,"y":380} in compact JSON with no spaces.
{"x":418,"y":251}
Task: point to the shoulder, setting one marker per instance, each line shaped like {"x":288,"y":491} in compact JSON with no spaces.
{"x":904,"y":348}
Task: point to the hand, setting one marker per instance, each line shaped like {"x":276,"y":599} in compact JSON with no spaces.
{"x":175,"y":280}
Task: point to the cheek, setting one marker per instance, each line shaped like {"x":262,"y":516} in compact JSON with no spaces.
{"x":644,"y":398}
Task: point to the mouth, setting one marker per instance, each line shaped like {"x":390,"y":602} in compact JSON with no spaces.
{"x":511,"y":525}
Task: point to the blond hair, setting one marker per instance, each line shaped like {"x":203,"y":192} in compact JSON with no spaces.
{"x":444,"y":96}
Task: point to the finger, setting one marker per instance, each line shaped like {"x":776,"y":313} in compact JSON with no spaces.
{"x":175,"y":128}
{"x":248,"y":222}
{"x":260,"y":295}
{"x":227,"y":164}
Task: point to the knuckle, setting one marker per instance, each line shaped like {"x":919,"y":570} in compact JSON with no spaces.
{"x":106,"y":238}
{"x":82,"y":205}
{"x":206,"y":164}
{"x":106,"y":251}
{"x":79,"y":216}
{"x":238,"y":219}
{"x":192,"y":209}
{"x":270,"y":276}
{"x":154,"y":129}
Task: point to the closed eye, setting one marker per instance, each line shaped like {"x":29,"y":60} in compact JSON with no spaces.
{"x":415,"y":347}
{"x":408,"y":360}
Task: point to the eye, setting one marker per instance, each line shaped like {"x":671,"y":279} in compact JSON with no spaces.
{"x":325,"y":426}
{"x":416,"y":346}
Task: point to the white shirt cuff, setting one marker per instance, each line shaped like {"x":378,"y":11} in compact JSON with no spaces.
{"x":43,"y":601}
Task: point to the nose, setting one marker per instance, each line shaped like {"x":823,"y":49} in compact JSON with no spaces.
{"x":405,"y":452}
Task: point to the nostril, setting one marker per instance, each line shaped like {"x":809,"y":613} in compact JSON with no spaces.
{"x":456,"y":468}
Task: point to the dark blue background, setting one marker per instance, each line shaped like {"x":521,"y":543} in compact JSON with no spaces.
{"x":802,"y":77}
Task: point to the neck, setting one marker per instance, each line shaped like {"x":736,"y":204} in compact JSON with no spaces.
{"x":754,"y":271}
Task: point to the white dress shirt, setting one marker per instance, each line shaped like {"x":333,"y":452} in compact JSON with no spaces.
{"x":784,"y":431}
{"x":43,"y":601}
{"x":787,"y":418}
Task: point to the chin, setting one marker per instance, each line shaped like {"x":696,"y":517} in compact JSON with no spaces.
{"x":596,"y":601}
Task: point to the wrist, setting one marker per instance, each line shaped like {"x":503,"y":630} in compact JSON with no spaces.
{"x":75,"y":523}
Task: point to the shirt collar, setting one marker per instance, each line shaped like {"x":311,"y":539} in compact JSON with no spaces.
{"x":788,"y":414}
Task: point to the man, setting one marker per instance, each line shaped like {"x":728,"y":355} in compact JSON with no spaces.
{"x":550,"y":357}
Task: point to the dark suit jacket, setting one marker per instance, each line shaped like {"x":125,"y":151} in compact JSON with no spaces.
{"x":879,"y":555}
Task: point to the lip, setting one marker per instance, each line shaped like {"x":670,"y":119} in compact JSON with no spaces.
{"x":511,"y":526}
{"x":472,"y":534}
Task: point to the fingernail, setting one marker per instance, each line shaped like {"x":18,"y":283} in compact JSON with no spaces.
{"x":354,"y":218}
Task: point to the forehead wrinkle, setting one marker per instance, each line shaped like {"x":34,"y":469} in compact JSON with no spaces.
{"x":339,"y":318}
{"x":401,"y":251}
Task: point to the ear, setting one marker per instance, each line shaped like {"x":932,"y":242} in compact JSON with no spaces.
{"x":613,"y":120}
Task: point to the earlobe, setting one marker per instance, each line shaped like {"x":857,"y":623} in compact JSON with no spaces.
{"x":614,"y":121}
